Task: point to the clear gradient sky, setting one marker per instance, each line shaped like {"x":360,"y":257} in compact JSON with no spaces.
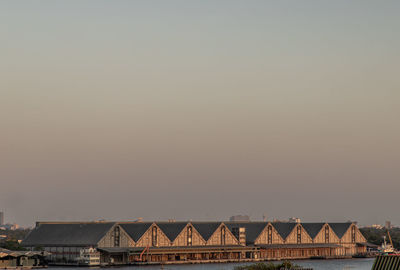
{"x":200,"y":110}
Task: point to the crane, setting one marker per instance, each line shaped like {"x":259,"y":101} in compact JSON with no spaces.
{"x":387,"y":248}
{"x":390,"y":238}
{"x":144,"y":250}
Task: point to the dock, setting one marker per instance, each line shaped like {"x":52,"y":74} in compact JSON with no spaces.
{"x":387,"y":262}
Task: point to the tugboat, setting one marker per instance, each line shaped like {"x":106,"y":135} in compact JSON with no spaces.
{"x":387,"y":248}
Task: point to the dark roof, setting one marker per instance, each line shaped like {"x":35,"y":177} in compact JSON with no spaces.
{"x":284,"y":228}
{"x":340,"y":228}
{"x":121,"y":249}
{"x":172,"y":229}
{"x":253,"y":229}
{"x":206,"y":229}
{"x":16,"y":254}
{"x":135,"y":230}
{"x":67,"y":234}
{"x":313,"y":228}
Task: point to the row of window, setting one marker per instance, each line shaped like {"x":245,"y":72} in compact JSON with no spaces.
{"x":154,"y":238}
{"x":299,"y":230}
{"x":189,"y":236}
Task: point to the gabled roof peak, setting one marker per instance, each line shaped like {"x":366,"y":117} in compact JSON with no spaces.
{"x":206,"y":229}
{"x":284,"y":228}
{"x":172,"y":229}
{"x":340,"y":228}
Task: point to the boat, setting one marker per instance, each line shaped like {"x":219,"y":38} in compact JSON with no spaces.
{"x":388,"y":248}
{"x":89,"y":257}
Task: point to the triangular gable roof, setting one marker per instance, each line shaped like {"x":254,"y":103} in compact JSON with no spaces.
{"x":284,"y":228}
{"x":67,"y":234}
{"x":313,"y":228}
{"x":136,"y":230}
{"x":172,"y":229}
{"x":253,"y":229}
{"x":340,"y":228}
{"x":206,"y":229}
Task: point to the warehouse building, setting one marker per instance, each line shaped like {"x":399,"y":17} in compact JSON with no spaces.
{"x":189,"y":242}
{"x":21,"y":259}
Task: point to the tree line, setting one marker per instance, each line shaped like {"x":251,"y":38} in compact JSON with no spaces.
{"x":13,"y":238}
{"x":375,"y":236}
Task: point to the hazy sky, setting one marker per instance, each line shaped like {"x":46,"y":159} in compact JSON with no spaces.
{"x":200,"y":110}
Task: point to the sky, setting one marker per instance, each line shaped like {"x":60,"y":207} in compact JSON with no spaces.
{"x":199,"y":110}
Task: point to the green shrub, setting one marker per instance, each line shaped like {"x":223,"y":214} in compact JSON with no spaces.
{"x":267,"y":266}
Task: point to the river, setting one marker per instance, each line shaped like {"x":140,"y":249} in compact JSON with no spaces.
{"x":349,"y":264}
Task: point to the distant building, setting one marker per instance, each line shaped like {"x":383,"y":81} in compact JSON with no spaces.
{"x":10,"y":259}
{"x":294,"y":220}
{"x":376,"y":226}
{"x":239,"y":218}
{"x":1,"y":218}
{"x":12,"y":227}
{"x":388,"y":224}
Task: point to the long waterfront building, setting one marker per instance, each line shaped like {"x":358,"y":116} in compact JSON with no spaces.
{"x":193,"y":242}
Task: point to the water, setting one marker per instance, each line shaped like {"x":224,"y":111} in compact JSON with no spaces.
{"x":349,"y":264}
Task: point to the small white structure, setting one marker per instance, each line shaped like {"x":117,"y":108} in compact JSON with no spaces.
{"x":294,"y":220}
{"x":89,"y":256}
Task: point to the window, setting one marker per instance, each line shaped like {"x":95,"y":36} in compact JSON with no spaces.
{"x":269,"y":232}
{"x":353,"y":234}
{"x":116,"y":236}
{"x":298,"y":234}
{"x":242,"y":236}
{"x":223,"y":235}
{"x":154,"y":236}
{"x":189,"y":235}
{"x":326,"y":234}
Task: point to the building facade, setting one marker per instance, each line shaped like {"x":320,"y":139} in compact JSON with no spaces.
{"x":185,"y":242}
{"x":21,"y":259}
